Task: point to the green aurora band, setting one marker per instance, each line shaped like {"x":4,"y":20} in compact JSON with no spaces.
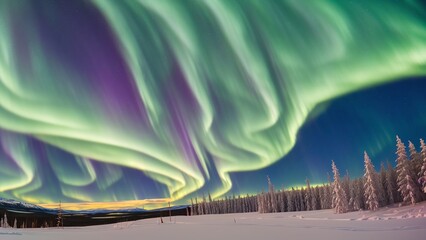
{"x":218,"y":86}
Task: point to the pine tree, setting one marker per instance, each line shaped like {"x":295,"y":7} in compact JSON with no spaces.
{"x":328,"y":197}
{"x":284,"y":200}
{"x":345,"y":183}
{"x":382,"y":191}
{"x":422,"y":172}
{"x":290,"y":201}
{"x":314,"y":200}
{"x":358,"y":195}
{"x":391,"y":185}
{"x":211,"y":203}
{"x":59,"y":222}
{"x":196,"y":212}
{"x":415,"y":160}
{"x":260,"y":203}
{"x":406,"y":185}
{"x":308,"y":196}
{"x":415,"y":163}
{"x":370,"y":189}
{"x":5,"y":223}
{"x":302,"y":200}
{"x":340,"y":202}
{"x":192,"y":208}
{"x":272,"y":198}
{"x":296,"y":198}
{"x":352,"y":196}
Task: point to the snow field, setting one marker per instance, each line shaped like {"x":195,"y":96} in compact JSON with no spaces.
{"x":408,"y":222}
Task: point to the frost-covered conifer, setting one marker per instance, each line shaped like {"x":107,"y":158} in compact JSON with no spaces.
{"x":415,"y":160}
{"x":315,"y":198}
{"x":308,"y":196}
{"x":422,"y":172}
{"x":271,"y":197}
{"x":5,"y":223}
{"x":345,"y":183}
{"x":370,"y":189}
{"x":415,"y":163}
{"x":391,"y":185}
{"x":290,"y":200}
{"x":261,"y":202}
{"x":382,"y":188}
{"x":340,"y":201}
{"x":352,"y":195}
{"x":406,"y":185}
{"x":358,"y":195}
{"x":302,"y":200}
{"x":328,"y":198}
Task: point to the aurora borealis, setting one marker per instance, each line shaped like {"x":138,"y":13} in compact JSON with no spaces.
{"x":105,"y":100}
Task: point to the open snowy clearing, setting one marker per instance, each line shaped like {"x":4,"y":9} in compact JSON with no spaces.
{"x":387,"y":223}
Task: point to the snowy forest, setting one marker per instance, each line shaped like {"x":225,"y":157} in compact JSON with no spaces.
{"x":401,"y":185}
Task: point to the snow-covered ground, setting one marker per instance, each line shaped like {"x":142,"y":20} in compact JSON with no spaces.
{"x":404,"y":223}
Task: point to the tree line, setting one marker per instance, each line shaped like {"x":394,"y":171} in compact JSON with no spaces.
{"x":404,"y":184}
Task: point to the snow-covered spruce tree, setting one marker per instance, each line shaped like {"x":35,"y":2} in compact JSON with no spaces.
{"x":204,"y":205}
{"x":284,"y":200}
{"x":328,"y":197}
{"x":5,"y":222}
{"x":252,"y":204}
{"x":382,"y":191}
{"x":322,"y":196}
{"x":239,"y":205}
{"x":352,"y":195}
{"x":196,"y":207}
{"x":290,"y":200}
{"x":260,"y":202}
{"x":234,"y":204}
{"x":422,"y":172}
{"x":299,"y":200}
{"x":370,"y":187}
{"x":212,"y":209}
{"x":296,"y":196}
{"x":391,"y":185}
{"x":228,"y":205}
{"x":415,"y":162}
{"x":345,"y":183}
{"x":340,"y":201}
{"x":279,"y":201}
{"x":302,"y":199}
{"x":271,"y":197}
{"x":316,"y":204}
{"x":308,"y":196}
{"x":358,"y":195}
{"x":406,"y":185}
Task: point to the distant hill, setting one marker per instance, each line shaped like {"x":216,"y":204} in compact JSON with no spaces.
{"x":30,"y":215}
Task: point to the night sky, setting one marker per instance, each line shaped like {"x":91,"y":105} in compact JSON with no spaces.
{"x":106,"y":101}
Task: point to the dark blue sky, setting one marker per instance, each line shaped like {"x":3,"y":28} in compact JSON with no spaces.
{"x":365,"y":120}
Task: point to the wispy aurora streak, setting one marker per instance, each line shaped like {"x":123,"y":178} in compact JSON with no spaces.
{"x":179,"y":90}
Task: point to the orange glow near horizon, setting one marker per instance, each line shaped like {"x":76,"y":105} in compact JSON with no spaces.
{"x":145,"y":204}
